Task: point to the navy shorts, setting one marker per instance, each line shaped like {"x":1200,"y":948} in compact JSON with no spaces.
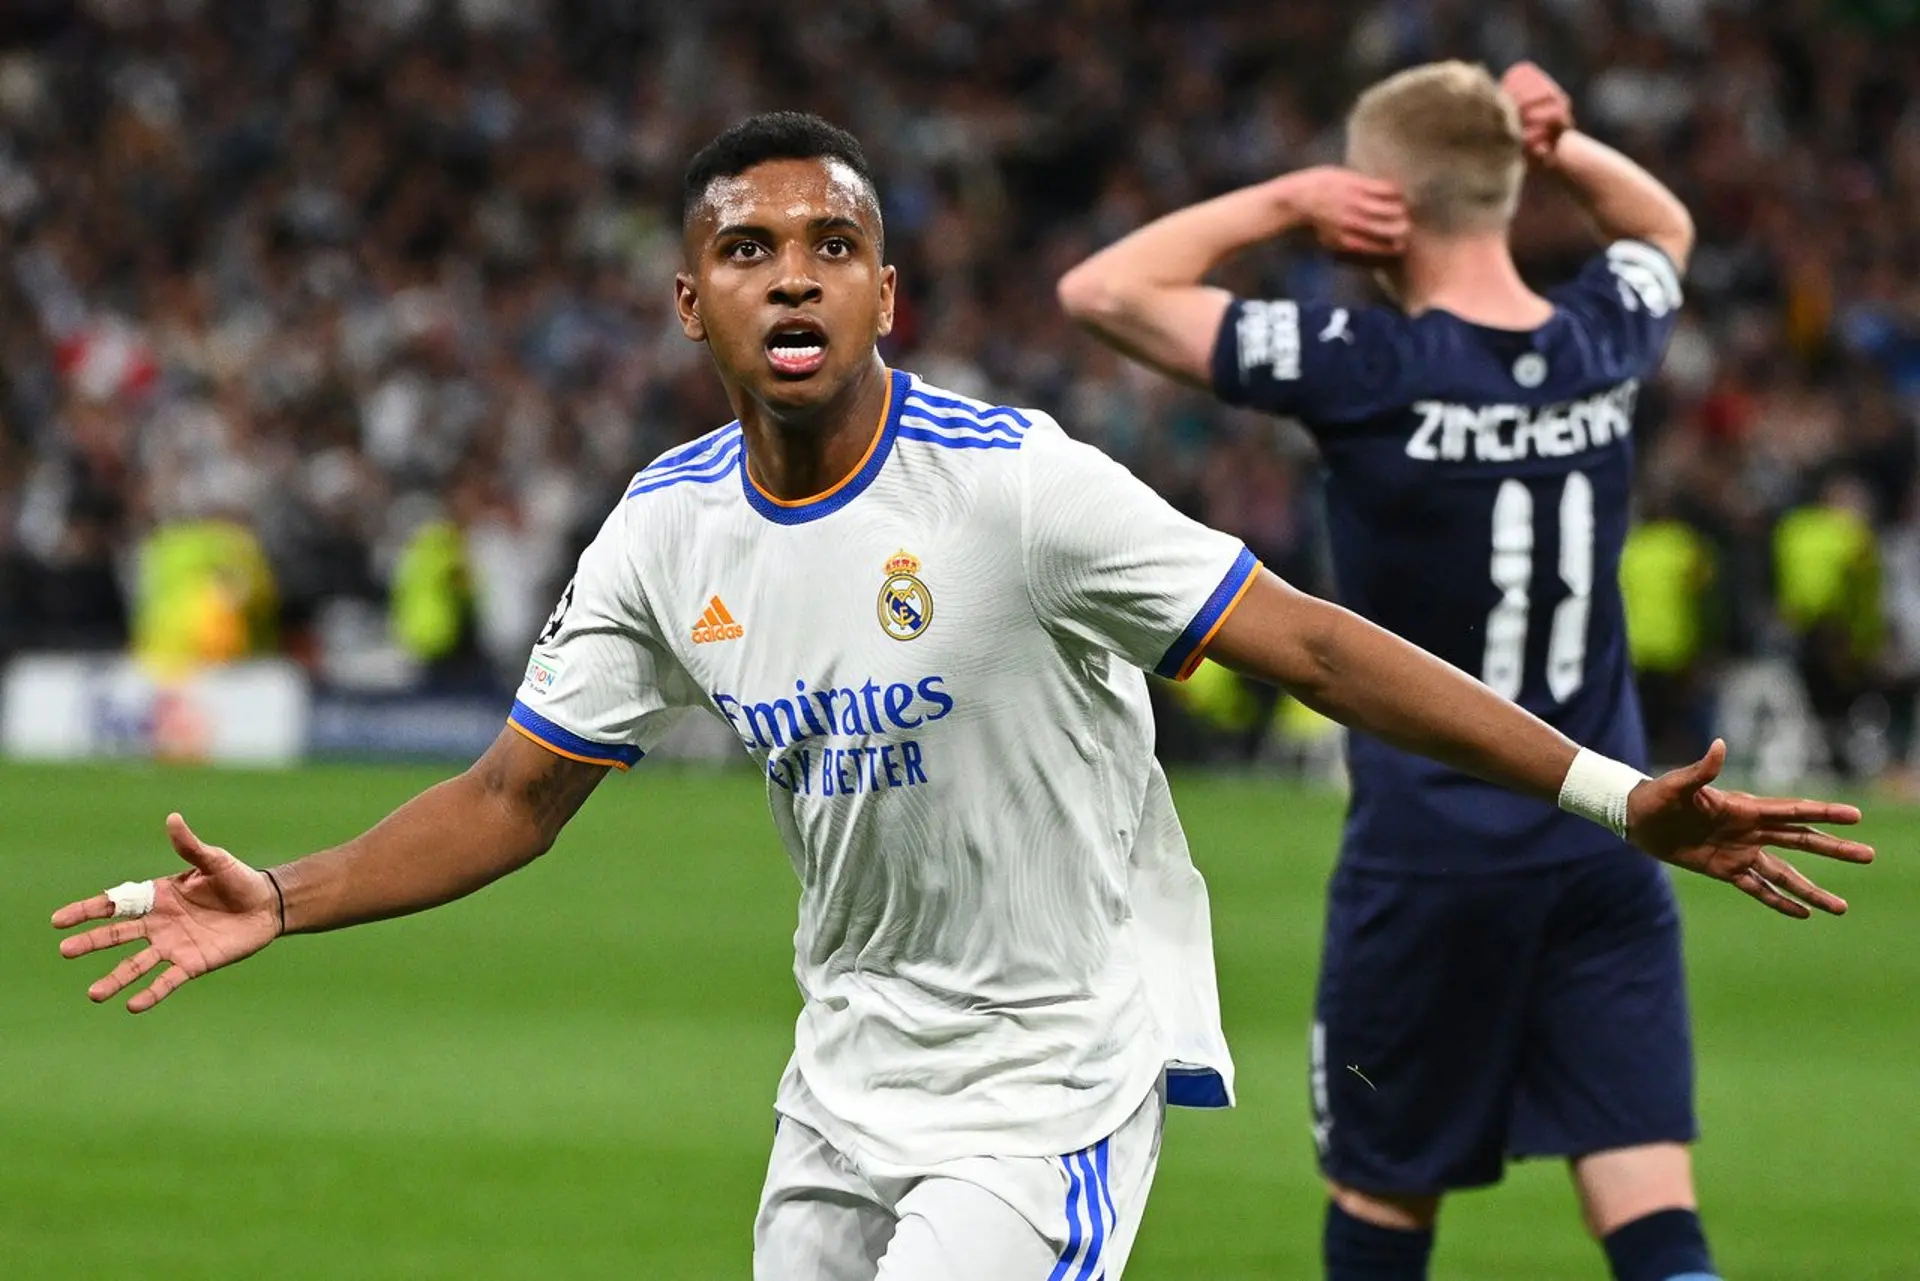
{"x":1463,"y":1020}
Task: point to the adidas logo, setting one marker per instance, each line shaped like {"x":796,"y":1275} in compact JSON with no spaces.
{"x":716,"y":625}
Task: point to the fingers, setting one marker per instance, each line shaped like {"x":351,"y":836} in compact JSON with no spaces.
{"x":1714,"y":761}
{"x":1375,"y":230}
{"x":1771,"y":880}
{"x":1356,"y":215}
{"x":1368,"y":246}
{"x":1383,"y":217}
{"x":158,"y":990}
{"x":1785,"y":877}
{"x":1539,"y":138}
{"x":1775,"y":809}
{"x":1379,"y":192}
{"x":1544,"y":108}
{"x":124,"y":973}
{"x":1783,"y":823}
{"x":1380,"y":196}
{"x":188,"y":846}
{"x":1543,"y":113}
{"x":1545,"y":116}
{"x":1703,"y":771}
{"x":1520,"y":79}
{"x":1752,"y":883}
{"x":1390,"y":228}
{"x":97,"y":908}
{"x":208,"y":858}
{"x":1373,"y":219}
{"x":1808,"y":841}
{"x":1526,"y":84}
{"x":105,"y":936}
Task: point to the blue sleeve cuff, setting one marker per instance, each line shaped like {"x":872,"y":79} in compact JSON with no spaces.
{"x":1185,"y":653}
{"x":563,"y":742}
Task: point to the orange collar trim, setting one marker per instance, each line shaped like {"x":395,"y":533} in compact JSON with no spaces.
{"x":879,"y":430}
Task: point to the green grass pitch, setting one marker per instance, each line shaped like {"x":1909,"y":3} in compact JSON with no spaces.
{"x":570,"y":1074}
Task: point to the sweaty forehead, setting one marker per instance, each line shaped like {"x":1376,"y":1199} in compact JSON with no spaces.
{"x":785,"y":191}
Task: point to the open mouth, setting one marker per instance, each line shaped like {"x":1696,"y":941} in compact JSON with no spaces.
{"x":796,"y":348}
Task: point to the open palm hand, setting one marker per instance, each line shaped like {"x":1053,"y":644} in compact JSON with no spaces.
{"x":1680,"y":818}
{"x":217,"y":912}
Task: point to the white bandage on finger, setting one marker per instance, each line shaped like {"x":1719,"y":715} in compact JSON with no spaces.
{"x":131,"y":898}
{"x":1597,"y":788}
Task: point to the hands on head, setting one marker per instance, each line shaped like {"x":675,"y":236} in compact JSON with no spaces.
{"x":215,"y":913}
{"x":1681,"y":818}
{"x":1546,"y":112}
{"x":1354,"y":217}
{"x":1364,"y":220}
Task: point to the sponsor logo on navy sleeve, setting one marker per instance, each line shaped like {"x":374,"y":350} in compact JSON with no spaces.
{"x":1645,"y":276}
{"x":1268,"y":334}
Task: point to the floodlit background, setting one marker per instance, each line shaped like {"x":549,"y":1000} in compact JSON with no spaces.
{"x":328,"y":333}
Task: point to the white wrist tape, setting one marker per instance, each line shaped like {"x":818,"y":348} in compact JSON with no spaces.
{"x":1597,"y":787}
{"x":131,"y":898}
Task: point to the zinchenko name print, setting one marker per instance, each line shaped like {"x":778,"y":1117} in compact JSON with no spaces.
{"x":1511,"y":433}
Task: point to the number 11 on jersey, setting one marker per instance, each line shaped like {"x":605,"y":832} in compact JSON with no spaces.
{"x":1512,"y":572}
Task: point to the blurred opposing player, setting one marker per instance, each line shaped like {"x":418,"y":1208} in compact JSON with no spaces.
{"x":925,"y":617}
{"x":1504,"y":979}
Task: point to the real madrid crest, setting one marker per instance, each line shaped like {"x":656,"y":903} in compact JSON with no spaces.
{"x":906,"y":606}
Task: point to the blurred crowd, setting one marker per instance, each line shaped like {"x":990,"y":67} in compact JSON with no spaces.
{"x":333,"y":327}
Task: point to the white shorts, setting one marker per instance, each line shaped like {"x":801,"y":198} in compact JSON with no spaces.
{"x":986,"y":1218}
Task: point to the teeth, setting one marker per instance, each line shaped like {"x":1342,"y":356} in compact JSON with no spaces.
{"x":799,"y":353}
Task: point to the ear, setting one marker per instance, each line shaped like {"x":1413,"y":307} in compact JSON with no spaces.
{"x":686,"y":301}
{"x":888,"y":276}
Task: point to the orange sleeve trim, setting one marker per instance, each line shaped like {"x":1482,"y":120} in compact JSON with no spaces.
{"x":532,"y":737}
{"x":1200,"y":651}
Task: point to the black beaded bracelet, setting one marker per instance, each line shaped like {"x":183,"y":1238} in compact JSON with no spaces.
{"x":278,"y":897}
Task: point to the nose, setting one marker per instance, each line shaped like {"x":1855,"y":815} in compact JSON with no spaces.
{"x":794,"y":283}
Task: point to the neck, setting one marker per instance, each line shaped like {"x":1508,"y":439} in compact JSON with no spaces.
{"x":793,"y":455}
{"x":1471,"y":276}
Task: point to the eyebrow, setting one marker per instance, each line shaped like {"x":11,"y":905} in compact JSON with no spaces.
{"x":836,"y":222}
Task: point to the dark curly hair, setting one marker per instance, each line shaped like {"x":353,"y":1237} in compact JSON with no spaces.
{"x":773,"y":135}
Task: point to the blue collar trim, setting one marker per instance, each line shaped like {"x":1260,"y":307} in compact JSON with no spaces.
{"x":847,"y":490}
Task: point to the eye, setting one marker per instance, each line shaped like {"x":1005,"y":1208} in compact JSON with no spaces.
{"x":744,"y":251}
{"x":837,"y":247}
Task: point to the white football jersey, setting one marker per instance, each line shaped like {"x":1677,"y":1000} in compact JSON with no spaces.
{"x":937,"y":664}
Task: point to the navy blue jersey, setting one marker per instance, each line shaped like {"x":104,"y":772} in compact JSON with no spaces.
{"x":1477,"y":504}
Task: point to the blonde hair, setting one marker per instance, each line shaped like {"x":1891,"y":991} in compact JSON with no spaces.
{"x":1451,"y":139}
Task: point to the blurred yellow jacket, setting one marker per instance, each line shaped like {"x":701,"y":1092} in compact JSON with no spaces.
{"x":204,"y":594}
{"x":432,"y":592}
{"x":1665,"y":568}
{"x":1826,"y":565}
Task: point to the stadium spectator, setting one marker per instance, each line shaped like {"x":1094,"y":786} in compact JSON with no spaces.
{"x":204,"y":594}
{"x":1828,"y":572}
{"x":1666,"y":581}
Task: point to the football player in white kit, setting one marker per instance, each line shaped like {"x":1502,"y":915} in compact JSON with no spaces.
{"x":927,"y":619}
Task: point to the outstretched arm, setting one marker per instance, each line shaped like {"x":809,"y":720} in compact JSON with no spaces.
{"x":450,"y":840}
{"x":1143,"y":294}
{"x":1364,"y":676}
{"x":1621,"y":199}
{"x":502,"y":813}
